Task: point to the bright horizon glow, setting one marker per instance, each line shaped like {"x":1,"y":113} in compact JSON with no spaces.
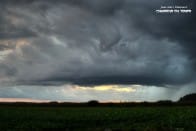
{"x":22,"y":100}
{"x":116,"y":88}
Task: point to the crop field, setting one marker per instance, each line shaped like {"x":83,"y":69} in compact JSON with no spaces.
{"x":98,"y":118}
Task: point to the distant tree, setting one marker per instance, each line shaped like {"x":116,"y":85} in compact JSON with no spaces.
{"x":93,"y":102}
{"x":188,"y":98}
{"x":53,"y":102}
{"x":164,"y":102}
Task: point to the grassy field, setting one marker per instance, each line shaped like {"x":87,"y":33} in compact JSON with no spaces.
{"x":98,"y":118}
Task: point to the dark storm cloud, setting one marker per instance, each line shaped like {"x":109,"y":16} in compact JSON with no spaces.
{"x":180,"y":28}
{"x":94,"y":42}
{"x":10,"y":29}
{"x":101,"y":7}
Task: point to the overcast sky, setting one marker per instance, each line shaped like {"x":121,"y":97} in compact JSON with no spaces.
{"x":109,"y":50}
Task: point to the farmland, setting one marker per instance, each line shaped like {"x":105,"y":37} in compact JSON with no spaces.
{"x":164,"y":118}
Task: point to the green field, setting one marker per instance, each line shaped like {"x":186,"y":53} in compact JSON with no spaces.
{"x":98,"y":118}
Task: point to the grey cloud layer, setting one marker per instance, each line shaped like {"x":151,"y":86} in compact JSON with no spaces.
{"x":92,"y":42}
